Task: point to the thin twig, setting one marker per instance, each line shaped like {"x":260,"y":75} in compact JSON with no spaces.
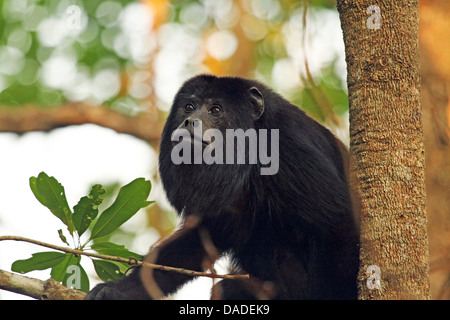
{"x":129,"y":261}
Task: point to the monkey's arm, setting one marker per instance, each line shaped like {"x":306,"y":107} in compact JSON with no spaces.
{"x":183,"y":249}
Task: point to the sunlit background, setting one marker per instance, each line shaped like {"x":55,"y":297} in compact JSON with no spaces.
{"x":130,"y":57}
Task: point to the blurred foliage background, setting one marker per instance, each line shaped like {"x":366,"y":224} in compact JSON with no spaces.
{"x":132,"y":55}
{"x":118,"y":64}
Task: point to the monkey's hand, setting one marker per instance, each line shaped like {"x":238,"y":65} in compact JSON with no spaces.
{"x":128,"y":288}
{"x":106,"y":291}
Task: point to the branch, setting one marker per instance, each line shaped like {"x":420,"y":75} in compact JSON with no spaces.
{"x":38,"y":289}
{"x":129,"y":261}
{"x":31,"y":118}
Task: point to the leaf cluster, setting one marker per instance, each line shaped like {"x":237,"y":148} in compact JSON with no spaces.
{"x":66,"y":267}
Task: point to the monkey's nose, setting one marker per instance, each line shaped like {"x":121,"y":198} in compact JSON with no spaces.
{"x":194,"y":123}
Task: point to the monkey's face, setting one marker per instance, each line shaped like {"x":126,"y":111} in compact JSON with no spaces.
{"x":198,"y":115}
{"x":207,"y":103}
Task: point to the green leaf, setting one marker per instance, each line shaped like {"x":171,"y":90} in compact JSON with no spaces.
{"x":87,"y":209}
{"x":107,"y":271}
{"x":38,"y":261}
{"x":51,"y":194}
{"x":113,"y":249}
{"x":60,"y":270}
{"x":130,"y":199}
{"x":76,"y":278}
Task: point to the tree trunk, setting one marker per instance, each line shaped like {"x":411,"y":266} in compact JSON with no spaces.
{"x":386,"y":144}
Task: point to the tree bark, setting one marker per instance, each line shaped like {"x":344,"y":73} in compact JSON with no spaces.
{"x":38,"y":289}
{"x":387,"y":146}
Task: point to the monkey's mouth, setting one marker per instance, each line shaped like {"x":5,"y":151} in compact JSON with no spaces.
{"x":195,"y":139}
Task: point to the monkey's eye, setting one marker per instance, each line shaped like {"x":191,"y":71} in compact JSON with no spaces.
{"x":215,"y":110}
{"x":189,"y":108}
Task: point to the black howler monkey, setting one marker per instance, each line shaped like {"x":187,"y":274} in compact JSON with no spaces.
{"x":291,"y":226}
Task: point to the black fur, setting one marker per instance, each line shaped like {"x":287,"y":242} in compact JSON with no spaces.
{"x":294,"y":229}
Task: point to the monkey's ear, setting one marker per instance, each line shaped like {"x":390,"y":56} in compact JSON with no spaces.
{"x":257,"y":101}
